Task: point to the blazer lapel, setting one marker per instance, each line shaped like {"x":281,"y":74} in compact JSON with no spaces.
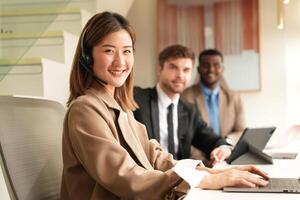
{"x":154,"y":114}
{"x":124,"y":123}
{"x":200,"y":103}
{"x":132,"y":140}
{"x":222,"y":110}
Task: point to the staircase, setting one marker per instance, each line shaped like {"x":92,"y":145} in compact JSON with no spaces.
{"x":38,"y":39}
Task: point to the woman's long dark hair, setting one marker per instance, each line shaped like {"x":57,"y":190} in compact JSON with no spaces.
{"x":98,"y":27}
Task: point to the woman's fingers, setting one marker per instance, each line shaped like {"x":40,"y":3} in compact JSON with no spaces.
{"x":259,"y":172}
{"x":253,"y":179}
{"x":233,"y":177}
{"x":253,"y":170}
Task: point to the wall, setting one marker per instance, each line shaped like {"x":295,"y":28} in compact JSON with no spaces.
{"x":292,"y":62}
{"x":277,"y":102}
{"x":119,"y":6}
{"x":278,"y":62}
{"x":142,"y":16}
{"x":268,"y":107}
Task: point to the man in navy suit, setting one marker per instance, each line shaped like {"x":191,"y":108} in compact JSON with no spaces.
{"x":187,"y":129}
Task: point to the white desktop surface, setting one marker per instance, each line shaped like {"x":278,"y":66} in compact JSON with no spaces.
{"x":285,"y":168}
{"x":219,"y":195}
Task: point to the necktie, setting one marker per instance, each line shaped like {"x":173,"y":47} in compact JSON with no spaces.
{"x":213,"y":113}
{"x":171,"y":147}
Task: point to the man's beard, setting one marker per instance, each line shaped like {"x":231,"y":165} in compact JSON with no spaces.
{"x":175,"y":90}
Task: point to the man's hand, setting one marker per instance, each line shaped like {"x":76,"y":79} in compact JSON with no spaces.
{"x":219,"y":154}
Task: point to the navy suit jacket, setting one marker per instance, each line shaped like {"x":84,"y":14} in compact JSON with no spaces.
{"x":191,"y":129}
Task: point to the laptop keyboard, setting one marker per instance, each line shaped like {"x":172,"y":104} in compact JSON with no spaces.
{"x":287,"y":183}
{"x":276,"y":185}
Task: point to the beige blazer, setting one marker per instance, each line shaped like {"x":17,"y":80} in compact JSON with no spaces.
{"x":107,"y":154}
{"x":232,"y":119}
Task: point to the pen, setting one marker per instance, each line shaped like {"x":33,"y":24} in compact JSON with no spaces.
{"x":216,"y":157}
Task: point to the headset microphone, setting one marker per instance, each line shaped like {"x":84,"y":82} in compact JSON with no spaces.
{"x":88,"y":69}
{"x":86,"y":60}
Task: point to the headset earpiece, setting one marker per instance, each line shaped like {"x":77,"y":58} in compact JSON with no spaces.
{"x":87,"y":59}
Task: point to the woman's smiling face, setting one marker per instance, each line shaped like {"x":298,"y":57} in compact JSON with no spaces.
{"x":113,"y":58}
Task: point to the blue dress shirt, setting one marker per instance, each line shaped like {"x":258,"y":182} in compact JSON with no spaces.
{"x":212,"y":105}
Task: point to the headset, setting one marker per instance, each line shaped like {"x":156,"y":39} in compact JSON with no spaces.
{"x":86,"y":59}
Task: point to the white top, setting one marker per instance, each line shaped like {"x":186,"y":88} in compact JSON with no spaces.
{"x":186,"y":169}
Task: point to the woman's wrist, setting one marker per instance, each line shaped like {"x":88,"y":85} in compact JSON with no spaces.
{"x":205,"y":182}
{"x":204,"y":168}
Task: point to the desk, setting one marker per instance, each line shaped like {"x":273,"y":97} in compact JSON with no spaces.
{"x":288,"y":168}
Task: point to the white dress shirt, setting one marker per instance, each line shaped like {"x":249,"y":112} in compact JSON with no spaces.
{"x":186,"y":168}
{"x":163,"y":102}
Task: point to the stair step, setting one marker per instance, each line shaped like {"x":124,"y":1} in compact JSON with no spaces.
{"x":23,"y":61}
{"x":35,"y":44}
{"x":41,"y":7}
{"x":40,"y":2}
{"x":39,"y":11}
{"x":35,"y":77}
{"x":23,"y":66}
{"x":40,"y":20}
{"x":31,"y":35}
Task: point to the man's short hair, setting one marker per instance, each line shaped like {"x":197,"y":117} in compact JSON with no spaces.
{"x":175,"y":51}
{"x":209,"y":52}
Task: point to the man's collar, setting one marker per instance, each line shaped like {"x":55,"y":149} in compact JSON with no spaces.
{"x":164,"y":99}
{"x":207,"y":91}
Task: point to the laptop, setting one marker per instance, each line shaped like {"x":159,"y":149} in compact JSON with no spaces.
{"x":276,"y":185}
{"x":249,"y":148}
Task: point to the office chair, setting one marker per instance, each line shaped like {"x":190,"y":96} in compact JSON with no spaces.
{"x":30,"y":147}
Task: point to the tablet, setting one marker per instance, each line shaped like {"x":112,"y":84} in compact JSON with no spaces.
{"x":249,"y":148}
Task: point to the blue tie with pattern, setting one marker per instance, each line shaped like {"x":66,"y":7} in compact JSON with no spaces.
{"x":213,"y":113}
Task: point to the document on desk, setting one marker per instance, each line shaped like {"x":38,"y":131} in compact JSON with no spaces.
{"x":286,"y":145}
{"x":282,"y":152}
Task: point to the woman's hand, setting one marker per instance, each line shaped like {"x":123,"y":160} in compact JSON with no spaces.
{"x":241,"y":176}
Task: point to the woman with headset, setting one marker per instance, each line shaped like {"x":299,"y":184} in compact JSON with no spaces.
{"x":106,"y":152}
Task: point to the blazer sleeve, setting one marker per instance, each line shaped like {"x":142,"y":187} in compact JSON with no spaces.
{"x":110,"y":164}
{"x":204,"y":137}
{"x":160,"y":159}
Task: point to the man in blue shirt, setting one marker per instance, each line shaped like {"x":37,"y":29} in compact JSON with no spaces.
{"x":219,"y":106}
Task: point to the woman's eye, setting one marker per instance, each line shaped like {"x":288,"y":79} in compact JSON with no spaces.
{"x":108,"y":51}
